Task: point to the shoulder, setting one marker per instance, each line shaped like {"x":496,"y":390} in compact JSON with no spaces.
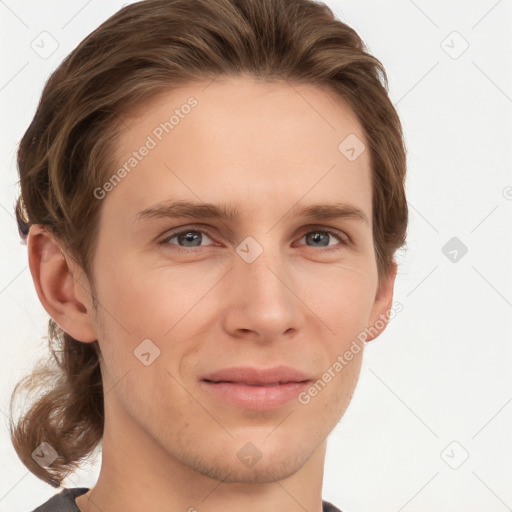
{"x":329,"y":507}
{"x":64,"y":501}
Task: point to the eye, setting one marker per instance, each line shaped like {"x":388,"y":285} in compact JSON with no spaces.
{"x":322,"y":238}
{"x":187,"y":240}
{"x":191,"y":238}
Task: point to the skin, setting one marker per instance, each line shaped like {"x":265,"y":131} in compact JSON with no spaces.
{"x":262,"y":147}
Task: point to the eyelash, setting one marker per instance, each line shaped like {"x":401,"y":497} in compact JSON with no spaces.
{"x":343,"y":238}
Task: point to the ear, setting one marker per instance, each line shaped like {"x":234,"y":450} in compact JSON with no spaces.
{"x":380,"y":313}
{"x":61,"y":285}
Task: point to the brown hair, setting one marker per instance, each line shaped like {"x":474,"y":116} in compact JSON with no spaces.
{"x":146,"y":48}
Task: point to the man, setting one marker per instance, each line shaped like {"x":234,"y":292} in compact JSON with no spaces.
{"x":208,"y":247}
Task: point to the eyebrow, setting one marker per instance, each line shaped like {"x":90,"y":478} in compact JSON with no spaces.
{"x":224,"y":211}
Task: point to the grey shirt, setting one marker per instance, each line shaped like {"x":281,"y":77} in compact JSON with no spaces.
{"x":65,"y":502}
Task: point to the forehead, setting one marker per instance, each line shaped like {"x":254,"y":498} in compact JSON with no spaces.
{"x":240,"y":138}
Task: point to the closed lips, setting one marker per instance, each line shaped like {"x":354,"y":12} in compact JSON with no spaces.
{"x":251,"y":376}
{"x":254,"y":383}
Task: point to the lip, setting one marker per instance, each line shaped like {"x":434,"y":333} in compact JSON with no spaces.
{"x":256,"y":389}
{"x":251,"y":375}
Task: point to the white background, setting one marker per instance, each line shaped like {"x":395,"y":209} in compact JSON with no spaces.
{"x":441,"y":371}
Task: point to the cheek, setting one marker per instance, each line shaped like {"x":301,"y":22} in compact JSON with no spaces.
{"x":327,"y":399}
{"x":343,"y":300}
{"x":142,"y":304}
{"x":159,"y":301}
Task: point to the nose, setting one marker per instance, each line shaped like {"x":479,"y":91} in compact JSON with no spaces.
{"x":262,"y":303}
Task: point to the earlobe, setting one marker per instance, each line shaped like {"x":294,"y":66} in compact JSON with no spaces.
{"x":381,"y":308}
{"x":64,"y":295}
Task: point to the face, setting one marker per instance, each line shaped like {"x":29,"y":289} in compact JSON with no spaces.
{"x":186,"y":293}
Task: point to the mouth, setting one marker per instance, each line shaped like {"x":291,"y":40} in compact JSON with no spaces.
{"x":250,"y":388}
{"x":244,"y":383}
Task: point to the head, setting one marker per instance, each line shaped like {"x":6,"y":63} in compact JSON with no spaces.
{"x":263,"y":109}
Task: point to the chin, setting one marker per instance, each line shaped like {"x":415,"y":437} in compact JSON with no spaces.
{"x":262,"y":472}
{"x":262,"y":460}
